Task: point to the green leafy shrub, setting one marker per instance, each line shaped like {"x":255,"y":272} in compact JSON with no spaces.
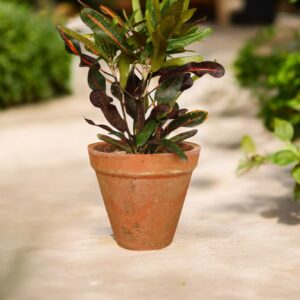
{"x":137,"y":49}
{"x":269,"y":64}
{"x":33,"y":64}
{"x":289,"y":155}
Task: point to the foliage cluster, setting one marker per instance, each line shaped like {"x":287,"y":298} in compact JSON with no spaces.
{"x":269,"y":64}
{"x":33,"y":63}
{"x":138,"y":50}
{"x":289,"y":155}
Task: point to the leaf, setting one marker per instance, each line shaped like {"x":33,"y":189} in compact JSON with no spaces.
{"x":101,"y":100}
{"x":106,"y":10}
{"x":199,"y":69}
{"x":247,"y":145}
{"x":136,"y":7}
{"x":139,"y":118}
{"x":283,"y":130}
{"x":116,"y":143}
{"x":100,"y":24}
{"x":160,"y":111}
{"x":80,"y":38}
{"x":152,"y":15}
{"x":183,"y":136}
{"x":146,"y":133}
{"x":187,"y":82}
{"x":95,"y":4}
{"x":124,"y":65}
{"x":297,"y":192}
{"x":172,"y":147}
{"x":179,"y":61}
{"x":159,"y":49}
{"x":168,"y":90}
{"x":246,"y":165}
{"x":283,"y":158}
{"x":190,"y":119}
{"x":296,"y":173}
{"x":120,"y":135}
{"x":95,"y":79}
{"x":192,"y":36}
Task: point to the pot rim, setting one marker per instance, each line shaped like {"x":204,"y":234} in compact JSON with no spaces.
{"x":91,"y":147}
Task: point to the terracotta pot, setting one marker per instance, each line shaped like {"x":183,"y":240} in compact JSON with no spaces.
{"x":143,"y":193}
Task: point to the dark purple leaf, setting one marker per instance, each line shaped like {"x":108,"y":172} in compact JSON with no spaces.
{"x":187,"y":82}
{"x":199,"y":69}
{"x":140,"y":116}
{"x":101,"y":100}
{"x":88,"y":61}
{"x":160,"y":111}
{"x":95,"y":79}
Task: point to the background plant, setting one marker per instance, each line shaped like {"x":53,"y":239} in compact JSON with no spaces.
{"x":137,"y":49}
{"x":289,"y":155}
{"x":269,"y":64}
{"x":33,"y":63}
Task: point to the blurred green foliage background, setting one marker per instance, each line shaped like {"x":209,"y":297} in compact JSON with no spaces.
{"x":33,"y":63}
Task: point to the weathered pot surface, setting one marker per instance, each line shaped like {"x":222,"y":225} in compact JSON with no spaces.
{"x":143,"y":193}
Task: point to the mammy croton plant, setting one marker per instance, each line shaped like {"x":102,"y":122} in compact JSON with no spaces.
{"x":134,"y":61}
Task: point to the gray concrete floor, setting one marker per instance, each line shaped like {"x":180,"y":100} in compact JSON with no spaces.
{"x":238,"y":238}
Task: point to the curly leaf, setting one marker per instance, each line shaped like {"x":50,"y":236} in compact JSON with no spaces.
{"x":172,"y":147}
{"x":199,"y":69}
{"x":183,"y":136}
{"x":95,"y":79}
{"x":190,"y":119}
{"x":101,"y":100}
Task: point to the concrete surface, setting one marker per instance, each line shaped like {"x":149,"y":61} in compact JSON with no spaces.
{"x":238,"y":238}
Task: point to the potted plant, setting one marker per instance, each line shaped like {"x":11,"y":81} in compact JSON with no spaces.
{"x":143,"y":171}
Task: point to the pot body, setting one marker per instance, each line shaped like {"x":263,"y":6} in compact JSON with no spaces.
{"x":143,"y":193}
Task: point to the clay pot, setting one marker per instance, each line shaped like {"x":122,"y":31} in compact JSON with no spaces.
{"x":143,"y":193}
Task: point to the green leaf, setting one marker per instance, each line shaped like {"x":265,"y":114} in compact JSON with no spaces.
{"x":95,"y":79}
{"x":183,"y":136}
{"x":296,"y":173}
{"x":114,"y":142}
{"x":80,"y":38}
{"x":168,"y":90}
{"x":190,"y":119}
{"x":136,"y":7}
{"x":180,"y":61}
{"x":297,"y":192}
{"x":247,"y":145}
{"x":152,"y":15}
{"x":159,"y":49}
{"x":124,"y":66}
{"x":172,"y":147}
{"x":146,"y":133}
{"x":283,"y":130}
{"x":283,"y":158}
{"x":194,"y":35}
{"x":100,"y":24}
